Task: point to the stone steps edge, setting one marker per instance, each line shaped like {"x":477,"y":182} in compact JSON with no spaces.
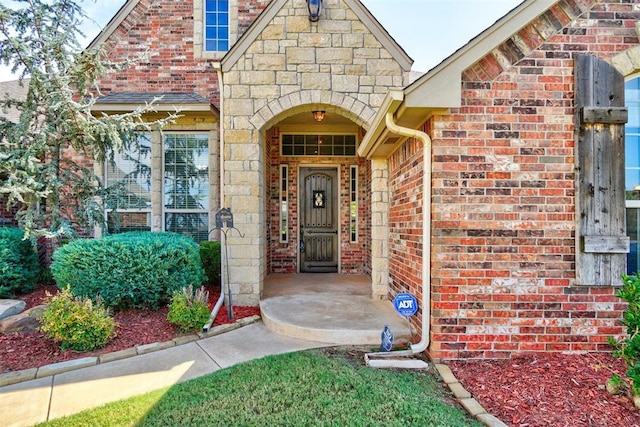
{"x":471,"y":405}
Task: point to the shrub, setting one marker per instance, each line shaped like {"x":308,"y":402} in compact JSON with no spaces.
{"x":77,"y":323}
{"x":211,"y":258}
{"x":19,"y":266}
{"x":189,"y":310}
{"x":628,"y":348}
{"x":137,"y":269}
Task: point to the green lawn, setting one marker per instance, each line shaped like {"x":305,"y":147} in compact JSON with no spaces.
{"x":324,"y":387}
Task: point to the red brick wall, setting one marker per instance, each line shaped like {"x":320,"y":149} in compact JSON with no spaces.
{"x":405,"y":223}
{"x":165,"y":29}
{"x":503,"y":223}
{"x":7,"y":215}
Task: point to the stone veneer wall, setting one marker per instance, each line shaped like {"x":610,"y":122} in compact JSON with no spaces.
{"x":293,"y":66}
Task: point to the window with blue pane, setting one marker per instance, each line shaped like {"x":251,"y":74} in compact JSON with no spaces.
{"x":216,"y":31}
{"x":632,"y":171}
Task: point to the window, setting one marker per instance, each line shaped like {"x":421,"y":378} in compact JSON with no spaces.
{"x":284,"y":207}
{"x":632,"y":171}
{"x":216,"y":25}
{"x":318,"y":145}
{"x":353,"y":199}
{"x":182,"y":203}
{"x":130,"y":173}
{"x":186,"y":184}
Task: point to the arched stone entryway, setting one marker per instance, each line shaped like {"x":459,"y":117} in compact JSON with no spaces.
{"x":296,"y":144}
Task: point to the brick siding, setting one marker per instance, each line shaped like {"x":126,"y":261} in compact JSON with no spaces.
{"x":504,"y":225}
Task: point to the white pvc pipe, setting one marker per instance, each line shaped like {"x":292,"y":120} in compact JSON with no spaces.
{"x":216,"y":307}
{"x":426,"y":240}
{"x":426,"y":227}
{"x":426,"y":233}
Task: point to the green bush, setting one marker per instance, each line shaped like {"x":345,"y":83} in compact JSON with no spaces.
{"x":628,"y":348}
{"x":137,"y":269}
{"x":211,"y":258}
{"x":19,"y":266}
{"x":77,"y":323}
{"x":189,"y":310}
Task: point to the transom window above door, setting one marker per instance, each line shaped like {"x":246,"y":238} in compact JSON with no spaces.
{"x":318,"y":145}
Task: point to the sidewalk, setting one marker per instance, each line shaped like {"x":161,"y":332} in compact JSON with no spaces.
{"x":39,"y":400}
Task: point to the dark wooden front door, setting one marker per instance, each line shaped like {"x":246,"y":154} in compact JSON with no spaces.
{"x":318,"y":220}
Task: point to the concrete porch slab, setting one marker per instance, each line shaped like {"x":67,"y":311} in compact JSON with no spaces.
{"x":329,"y":308}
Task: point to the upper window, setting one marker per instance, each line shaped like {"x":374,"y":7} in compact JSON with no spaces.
{"x":216,"y":25}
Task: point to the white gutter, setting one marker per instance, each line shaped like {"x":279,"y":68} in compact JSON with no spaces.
{"x":220,"y":301}
{"x":426,"y":238}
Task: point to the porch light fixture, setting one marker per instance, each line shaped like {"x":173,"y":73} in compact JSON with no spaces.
{"x":315,"y":8}
{"x":318,"y":115}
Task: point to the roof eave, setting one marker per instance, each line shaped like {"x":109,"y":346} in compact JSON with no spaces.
{"x":156,"y":108}
{"x":377,"y":132}
{"x":441,"y":86}
{"x":114,"y":23}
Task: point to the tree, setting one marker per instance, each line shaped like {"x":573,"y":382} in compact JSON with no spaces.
{"x":39,"y":167}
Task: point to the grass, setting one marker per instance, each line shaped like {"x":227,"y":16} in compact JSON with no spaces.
{"x":325,"y":387}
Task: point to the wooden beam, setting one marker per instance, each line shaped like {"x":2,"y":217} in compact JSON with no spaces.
{"x":606,"y":115}
{"x":606,"y":244}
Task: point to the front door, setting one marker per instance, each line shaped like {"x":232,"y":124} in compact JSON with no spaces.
{"x":318,"y":220}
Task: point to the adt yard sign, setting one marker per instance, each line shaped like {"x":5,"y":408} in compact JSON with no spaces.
{"x":405,"y":304}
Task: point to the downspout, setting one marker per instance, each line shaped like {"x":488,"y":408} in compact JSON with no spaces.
{"x":426,"y":227}
{"x":218,"y":305}
{"x":426,"y":240}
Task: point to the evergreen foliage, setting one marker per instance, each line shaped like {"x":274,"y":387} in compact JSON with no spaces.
{"x":77,"y":323}
{"x":211,"y":260}
{"x":137,"y":269}
{"x":627,"y":348}
{"x":39,"y":42}
{"x":19,"y":266}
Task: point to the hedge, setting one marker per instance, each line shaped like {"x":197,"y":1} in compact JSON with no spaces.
{"x":19,"y":265}
{"x":136,"y":269}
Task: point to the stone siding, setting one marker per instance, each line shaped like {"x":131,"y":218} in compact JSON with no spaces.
{"x":293,"y":66}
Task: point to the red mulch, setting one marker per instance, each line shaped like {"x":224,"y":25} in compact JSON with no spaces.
{"x":549,"y":390}
{"x":135,"y":327}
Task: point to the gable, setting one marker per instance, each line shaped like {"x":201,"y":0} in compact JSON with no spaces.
{"x":326,"y":24}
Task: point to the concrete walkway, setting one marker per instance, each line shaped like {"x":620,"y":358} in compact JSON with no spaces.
{"x":38,"y":400}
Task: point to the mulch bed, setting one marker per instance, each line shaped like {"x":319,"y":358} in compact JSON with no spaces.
{"x":135,"y":327}
{"x":549,"y":390}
